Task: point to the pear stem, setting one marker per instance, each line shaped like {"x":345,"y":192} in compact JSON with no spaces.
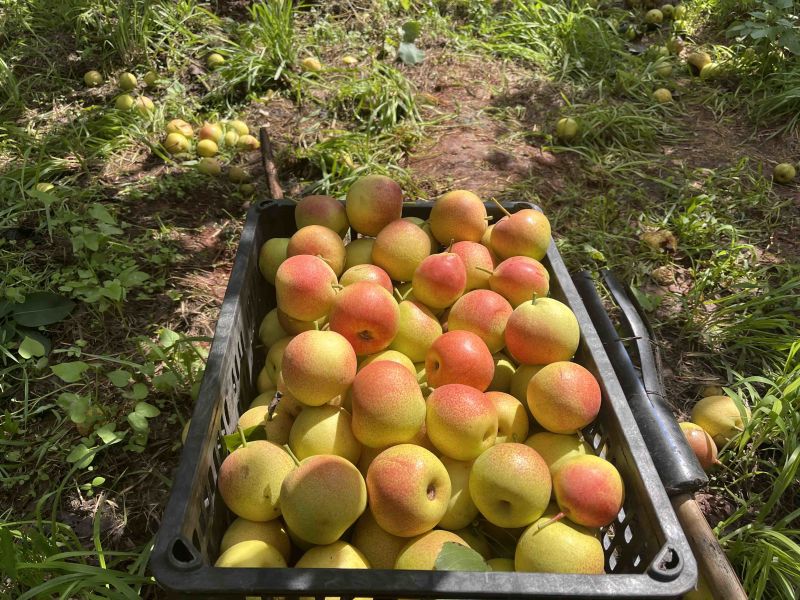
{"x":501,"y":207}
{"x":242,"y":436}
{"x":558,"y":517}
{"x":273,"y":405}
{"x":289,"y":451}
{"x":484,"y":270}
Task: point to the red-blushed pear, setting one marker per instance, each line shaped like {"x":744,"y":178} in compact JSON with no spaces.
{"x":524,"y":233}
{"x":319,"y":241}
{"x":542,"y":331}
{"x":294,"y":326}
{"x":317,"y":366}
{"x":358,"y":252}
{"x":461,"y":510}
{"x":322,"y":210}
{"x":324,"y":430}
{"x":589,"y":491}
{"x":270,"y":257}
{"x":408,"y":489}
{"x":512,"y":419}
{"x":420,"y":553}
{"x":701,"y":444}
{"x":388,"y":407}
{"x":372,"y":203}
{"x":370,"y":273}
{"x":367,"y":315}
{"x":461,"y":421}
{"x":564,"y":397}
{"x":368,"y":454}
{"x":458,"y":216}
{"x":439,"y":280}
{"x":478,"y":262}
{"x":557,"y":449}
{"x":520,"y":278}
{"x":417,"y":330}
{"x":549,"y":546}
{"x":304,"y":287}
{"x":399,"y":249}
{"x":484,"y":313}
{"x":322,"y":498}
{"x":390,"y":355}
{"x":380,"y":548}
{"x":250,"y":480}
{"x":510,"y":484}
{"x":459,"y":357}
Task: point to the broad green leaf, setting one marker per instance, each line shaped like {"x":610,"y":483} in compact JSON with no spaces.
{"x":234,"y":440}
{"x":119,"y":378}
{"x":108,"y":435}
{"x":146,"y":410}
{"x":138,"y":392}
{"x":138,"y":422}
{"x":42,"y":308}
{"x":74,"y":405}
{"x":168,"y":338}
{"x":100,"y":213}
{"x":649,"y":302}
{"x":410,"y":54}
{"x":165,"y":381}
{"x":455,"y":557}
{"x":8,"y":554}
{"x":69,"y":372}
{"x":81,"y":456}
{"x":36,"y":335}
{"x":132,"y":277}
{"x":112,"y":290}
{"x":30,"y":347}
{"x":411,"y":31}
{"x":98,"y":481}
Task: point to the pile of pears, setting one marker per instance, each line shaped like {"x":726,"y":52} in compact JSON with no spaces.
{"x":206,"y":143}
{"x":418,"y":394}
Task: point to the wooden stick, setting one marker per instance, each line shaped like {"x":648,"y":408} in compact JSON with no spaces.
{"x":268,"y":161}
{"x":711,"y":560}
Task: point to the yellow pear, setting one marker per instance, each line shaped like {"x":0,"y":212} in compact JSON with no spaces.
{"x":559,"y":547}
{"x":322,"y":498}
{"x":461,"y":510}
{"x":250,"y":480}
{"x":324,"y":430}
{"x":251,"y":554}
{"x":271,"y":532}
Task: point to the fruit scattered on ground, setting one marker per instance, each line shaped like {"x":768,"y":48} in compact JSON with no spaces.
{"x":701,"y":444}
{"x":720,"y":417}
{"x":93,"y":78}
{"x":567,"y":129}
{"x":214,"y":60}
{"x":698,"y":60}
{"x":784,"y":173}
{"x":127,"y":82}
{"x":124,"y":102}
{"x":311,"y":64}
{"x":662,"y":95}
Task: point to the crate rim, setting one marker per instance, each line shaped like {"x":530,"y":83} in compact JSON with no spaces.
{"x":672,"y":572}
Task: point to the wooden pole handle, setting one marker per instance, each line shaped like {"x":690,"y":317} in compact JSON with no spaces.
{"x":268,"y":160}
{"x":711,"y":560}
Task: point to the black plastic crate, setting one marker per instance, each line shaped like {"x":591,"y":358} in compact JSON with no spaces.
{"x":647,"y":554}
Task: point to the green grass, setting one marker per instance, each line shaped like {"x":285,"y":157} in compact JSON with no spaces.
{"x":118,"y":235}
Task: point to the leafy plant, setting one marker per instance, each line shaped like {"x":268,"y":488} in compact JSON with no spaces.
{"x":20,"y":323}
{"x":774,"y":27}
{"x":407,"y":52}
